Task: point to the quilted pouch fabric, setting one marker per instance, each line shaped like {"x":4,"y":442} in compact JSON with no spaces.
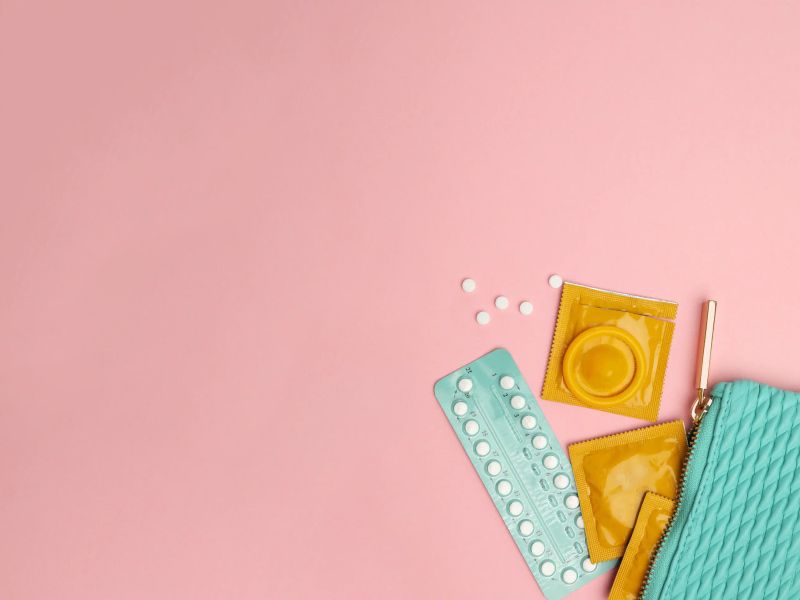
{"x":736,"y":530}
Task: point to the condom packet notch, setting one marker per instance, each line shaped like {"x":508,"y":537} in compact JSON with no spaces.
{"x":653,"y":518}
{"x":612,"y":475}
{"x":610,"y":351}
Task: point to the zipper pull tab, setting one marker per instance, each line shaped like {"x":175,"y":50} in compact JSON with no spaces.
{"x":703,"y":399}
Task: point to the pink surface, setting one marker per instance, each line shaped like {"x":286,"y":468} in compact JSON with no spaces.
{"x":231,"y":246}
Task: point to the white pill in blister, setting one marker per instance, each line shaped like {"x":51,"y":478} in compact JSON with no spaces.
{"x":501,"y":302}
{"x":506,"y":382}
{"x":537,"y":548}
{"x":571,"y":501}
{"x":579,"y":522}
{"x":588,"y":565}
{"x":482,"y":448}
{"x":460,"y":408}
{"x":525,"y":527}
{"x":539,"y":442}
{"x":471,"y":427}
{"x":561,"y":481}
{"x":465,"y":384}
{"x":555,"y":281}
{"x":468,"y":285}
{"x":528,"y":422}
{"x":483,"y":317}
{"x":569,"y":576}
{"x":493,"y":468}
{"x":515,"y":508}
{"x":517,"y":402}
{"x":525,"y":308}
{"x":550,"y":461}
{"x":547,"y":568}
{"x":504,"y":487}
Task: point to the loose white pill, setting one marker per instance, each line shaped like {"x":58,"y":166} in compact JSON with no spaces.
{"x":588,"y":565}
{"x":525,"y":308}
{"x":501,"y":302}
{"x":515,"y":508}
{"x":506,"y":382}
{"x":561,"y":481}
{"x":525,"y":527}
{"x":483,"y":317}
{"x":504,"y":487}
{"x":569,"y":576}
{"x":579,"y":522}
{"x":493,"y":468}
{"x":539,"y":442}
{"x":547,"y":568}
{"x":460,"y":408}
{"x":537,"y":548}
{"x":528,"y":422}
{"x":571,"y":501}
{"x":471,"y":427}
{"x":465,"y":384}
{"x":468,"y":285}
{"x":550,"y":461}
{"x":482,"y":448}
{"x":517,"y":402}
{"x":555,"y":281}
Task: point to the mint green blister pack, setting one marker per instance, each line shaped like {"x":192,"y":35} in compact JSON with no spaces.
{"x":503,"y":430}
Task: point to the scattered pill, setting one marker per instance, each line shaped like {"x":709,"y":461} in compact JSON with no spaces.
{"x":525,"y":527}
{"x":482,"y":448}
{"x":506,"y":382}
{"x":579,"y":522}
{"x":569,"y":576}
{"x":555,"y":281}
{"x":460,"y":408}
{"x":468,"y":285}
{"x":561,"y":481}
{"x":539,"y":442}
{"x":525,"y":308}
{"x":471,"y":427}
{"x":588,"y":565}
{"x":493,"y":468}
{"x":547,"y":568}
{"x":517,"y":402}
{"x":515,"y":508}
{"x":537,"y":548}
{"x":501,"y":302}
{"x":483,"y":317}
{"x":571,"y":501}
{"x":504,"y":487}
{"x":550,"y":461}
{"x":528,"y":422}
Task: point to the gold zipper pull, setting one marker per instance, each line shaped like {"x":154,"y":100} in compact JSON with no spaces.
{"x":703,"y":400}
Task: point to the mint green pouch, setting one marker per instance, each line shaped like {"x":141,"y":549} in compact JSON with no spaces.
{"x":736,"y":529}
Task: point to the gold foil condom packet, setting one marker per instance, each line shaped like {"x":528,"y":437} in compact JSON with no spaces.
{"x":610,"y":351}
{"x":612,"y":475}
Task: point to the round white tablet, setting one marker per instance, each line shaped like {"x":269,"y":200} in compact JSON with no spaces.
{"x":569,"y":576}
{"x":493,"y":468}
{"x":550,"y":461}
{"x":547,"y":568}
{"x":501,"y":302}
{"x":555,"y":281}
{"x":517,"y":402}
{"x":482,"y":448}
{"x":460,"y":408}
{"x":539,"y":442}
{"x":483,"y":317}
{"x":506,"y":382}
{"x":525,"y":527}
{"x":561,"y":481}
{"x":537,"y":548}
{"x":528,"y":422}
{"x":571,"y":501}
{"x":471,"y":427}
{"x":525,"y":308}
{"x":588,"y":565}
{"x":579,"y":522}
{"x":504,"y":487}
{"x":468,"y":285}
{"x":465,"y":384}
{"x":515,"y":508}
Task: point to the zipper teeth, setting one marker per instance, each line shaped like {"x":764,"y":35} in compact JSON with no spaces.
{"x":681,"y":487}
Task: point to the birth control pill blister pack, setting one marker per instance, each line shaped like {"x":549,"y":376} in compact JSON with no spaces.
{"x":504,"y":432}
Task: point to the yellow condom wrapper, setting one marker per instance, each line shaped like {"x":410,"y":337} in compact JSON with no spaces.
{"x":613,"y":474}
{"x":653,"y":518}
{"x":610,"y":351}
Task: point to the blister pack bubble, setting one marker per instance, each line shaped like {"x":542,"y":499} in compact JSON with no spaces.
{"x":520,"y":462}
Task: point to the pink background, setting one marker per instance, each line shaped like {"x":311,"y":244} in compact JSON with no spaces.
{"x":231,"y":243}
